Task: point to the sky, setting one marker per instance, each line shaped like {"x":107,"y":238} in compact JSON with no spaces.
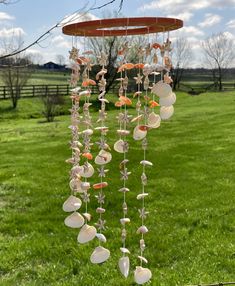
{"x":31,"y":18}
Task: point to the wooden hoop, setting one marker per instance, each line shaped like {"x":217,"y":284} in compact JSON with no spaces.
{"x":145,"y":25}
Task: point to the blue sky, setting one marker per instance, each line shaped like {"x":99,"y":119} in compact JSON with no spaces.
{"x":31,"y":18}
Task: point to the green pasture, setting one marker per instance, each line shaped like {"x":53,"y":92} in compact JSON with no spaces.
{"x":191,"y":237}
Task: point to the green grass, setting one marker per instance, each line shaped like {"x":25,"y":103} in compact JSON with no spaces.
{"x":192,"y":201}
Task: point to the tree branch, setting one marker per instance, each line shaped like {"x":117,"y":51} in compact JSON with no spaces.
{"x":42,"y":37}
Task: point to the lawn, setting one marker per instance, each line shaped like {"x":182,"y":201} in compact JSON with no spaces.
{"x":192,"y":201}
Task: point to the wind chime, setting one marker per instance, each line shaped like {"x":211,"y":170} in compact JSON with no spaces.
{"x":152,"y":79}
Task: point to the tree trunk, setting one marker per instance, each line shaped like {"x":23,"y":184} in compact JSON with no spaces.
{"x":220,"y":79}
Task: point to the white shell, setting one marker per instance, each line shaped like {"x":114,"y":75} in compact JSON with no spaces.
{"x":101,"y":237}
{"x":162,"y":89}
{"x":99,"y":255}
{"x":154,"y":120}
{"x":143,"y":229}
{"x":118,"y":146}
{"x":87,"y":233}
{"x":85,"y":186}
{"x":75,"y":185}
{"x":141,"y":196}
{"x":124,"y":250}
{"x":88,"y":132}
{"x":125,"y":220}
{"x":72,"y":204}
{"x":87,"y":216}
{"x":124,"y":190}
{"x":76,"y":89}
{"x":123,"y":132}
{"x":166,"y":112}
{"x":86,"y":172}
{"x":146,"y":163}
{"x":103,"y":157}
{"x":124,"y":265}
{"x":142,"y":275}
{"x":143,"y":259}
{"x":167,"y":101}
{"x":139,"y":134}
{"x":75,"y":220}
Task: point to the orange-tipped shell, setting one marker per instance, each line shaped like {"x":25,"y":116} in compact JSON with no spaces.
{"x":153,"y":103}
{"x":156,"y":46}
{"x":125,"y":100}
{"x":87,"y":155}
{"x":139,"y":66}
{"x":100,"y":185}
{"x":119,"y":103}
{"x":143,"y":127}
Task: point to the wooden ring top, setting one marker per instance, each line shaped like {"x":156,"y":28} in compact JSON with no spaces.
{"x":121,"y":26}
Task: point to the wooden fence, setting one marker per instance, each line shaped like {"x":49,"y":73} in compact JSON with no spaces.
{"x":37,"y":90}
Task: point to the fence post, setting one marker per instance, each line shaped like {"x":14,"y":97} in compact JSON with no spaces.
{"x":4,"y":92}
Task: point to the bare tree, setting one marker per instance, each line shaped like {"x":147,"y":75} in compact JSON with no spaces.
{"x":15,"y":71}
{"x":219,"y":55}
{"x":60,"y":60}
{"x":181,"y":56}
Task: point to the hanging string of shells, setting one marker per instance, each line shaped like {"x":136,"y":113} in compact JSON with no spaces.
{"x":151,"y":76}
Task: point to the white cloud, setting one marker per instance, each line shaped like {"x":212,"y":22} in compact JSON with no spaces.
{"x":60,"y":42}
{"x":210,"y":20}
{"x":185,"y":16}
{"x":231,"y":24}
{"x":8,"y":33}
{"x":6,"y":17}
{"x":188,"y":31}
{"x":177,"y":6}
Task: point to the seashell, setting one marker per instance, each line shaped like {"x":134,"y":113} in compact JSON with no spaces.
{"x":139,"y":134}
{"x":127,"y":66}
{"x":125,"y":100}
{"x":156,"y":46}
{"x":88,"y":53}
{"x":143,"y":229}
{"x":161,"y":89}
{"x":154,"y":120}
{"x":143,"y":127}
{"x":137,"y":118}
{"x":139,"y":66}
{"x":85,"y":92}
{"x":87,"y":233}
{"x":85,"y":186}
{"x":88,"y":156}
{"x":87,"y":216}
{"x":119,"y":146}
{"x":169,"y":100}
{"x":100,"y":185}
{"x":143,"y":259}
{"x":124,"y":250}
{"x":166,"y":112}
{"x":87,"y":132}
{"x":88,"y":82}
{"x":75,"y":185}
{"x":124,"y":220}
{"x":100,"y":210}
{"x":142,"y":275}
{"x":141,"y":196}
{"x":75,"y":220}
{"x":102,"y":128}
{"x":103,"y":157}
{"x":101,"y":94}
{"x":86,"y":171}
{"x":146,"y":163}
{"x":123,"y":132}
{"x":72,"y":204}
{"x":153,"y":103}
{"x":104,"y":100}
{"x":101,"y":237}
{"x":124,"y":265}
{"x":119,"y":103}
{"x":99,"y":255}
{"x":124,"y":190}
{"x":137,"y":93}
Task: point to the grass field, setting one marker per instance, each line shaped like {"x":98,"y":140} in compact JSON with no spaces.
{"x":192,"y":200}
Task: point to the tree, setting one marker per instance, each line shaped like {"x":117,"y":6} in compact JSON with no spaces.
{"x":60,"y":60}
{"x":181,"y":56}
{"x":219,"y":55}
{"x":16,"y":70}
{"x":51,"y":101}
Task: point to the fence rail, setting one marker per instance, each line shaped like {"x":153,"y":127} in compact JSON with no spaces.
{"x":37,"y":90}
